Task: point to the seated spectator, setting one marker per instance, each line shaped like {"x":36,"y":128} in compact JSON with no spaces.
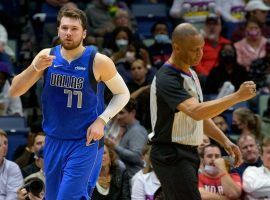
{"x":250,"y":153}
{"x":161,"y":50}
{"x":135,"y":50}
{"x":252,"y":46}
{"x":121,"y":19}
{"x":226,"y":70}
{"x":215,"y":182}
{"x":232,"y":10}
{"x":213,"y":44}
{"x":100,"y":16}
{"x":10,"y":175}
{"x":8,"y":105}
{"x":206,"y":141}
{"x":38,"y":178}
{"x":121,"y":39}
{"x":194,"y":12}
{"x":4,"y":48}
{"x":244,"y":122}
{"x":37,"y":164}
{"x":258,"y":10}
{"x":256,"y":180}
{"x":113,"y":181}
{"x":27,"y":154}
{"x":133,"y":139}
{"x":260,"y":71}
{"x":138,"y":72}
{"x":233,"y":15}
{"x":145,"y":182}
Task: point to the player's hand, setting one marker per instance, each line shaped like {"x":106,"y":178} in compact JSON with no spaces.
{"x":95,"y":131}
{"x":43,"y":61}
{"x":247,"y":90}
{"x":234,"y":151}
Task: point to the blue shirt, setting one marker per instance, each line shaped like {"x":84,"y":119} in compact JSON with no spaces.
{"x":71,"y":98}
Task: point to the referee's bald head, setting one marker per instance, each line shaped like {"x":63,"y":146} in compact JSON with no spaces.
{"x":182,"y":31}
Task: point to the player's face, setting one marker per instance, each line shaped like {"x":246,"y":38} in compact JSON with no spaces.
{"x":210,"y":155}
{"x":190,"y":51}
{"x":71,"y":33}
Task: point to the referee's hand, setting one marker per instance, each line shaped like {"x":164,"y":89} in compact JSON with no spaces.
{"x":95,"y":131}
{"x":234,"y":151}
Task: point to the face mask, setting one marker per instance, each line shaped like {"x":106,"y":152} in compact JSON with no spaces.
{"x":130,"y":56}
{"x":254,"y":34}
{"x":121,"y":44}
{"x":162,"y":39}
{"x":227,"y":56}
{"x":236,"y":129}
{"x":212,"y":170}
{"x":108,"y":2}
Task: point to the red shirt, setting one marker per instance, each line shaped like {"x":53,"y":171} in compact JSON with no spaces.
{"x":210,"y":56}
{"x":213,"y":185}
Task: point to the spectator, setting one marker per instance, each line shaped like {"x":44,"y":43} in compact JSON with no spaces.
{"x":138,"y":72}
{"x":226,"y":70}
{"x":256,"y":180}
{"x":121,"y":39}
{"x":121,"y":19}
{"x":10,"y":175}
{"x":38,"y":177}
{"x":258,"y":10}
{"x":100,"y":20}
{"x":215,"y":182}
{"x":252,"y":46}
{"x":36,"y":165}
{"x":232,"y":10}
{"x":246,"y":122}
{"x":260,"y":71}
{"x":250,"y":153}
{"x":145,"y":182}
{"x":113,"y":181}
{"x":161,"y":50}
{"x":133,"y":140}
{"x":194,"y":12}
{"x":213,"y":44}
{"x":8,"y":105}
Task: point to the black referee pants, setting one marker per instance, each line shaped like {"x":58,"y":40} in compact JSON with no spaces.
{"x":176,"y":167}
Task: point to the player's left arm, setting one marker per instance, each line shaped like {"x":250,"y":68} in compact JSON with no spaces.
{"x":105,"y":71}
{"x":211,"y":130}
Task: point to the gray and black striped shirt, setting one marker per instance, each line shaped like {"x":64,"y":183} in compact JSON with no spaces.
{"x":169,"y":88}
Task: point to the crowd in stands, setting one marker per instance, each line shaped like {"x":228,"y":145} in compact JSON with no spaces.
{"x":237,"y":48}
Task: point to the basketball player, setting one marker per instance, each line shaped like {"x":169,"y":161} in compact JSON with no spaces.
{"x":180,"y":117}
{"x":72,"y":106}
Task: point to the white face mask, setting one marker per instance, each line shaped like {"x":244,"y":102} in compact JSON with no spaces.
{"x":121,"y":43}
{"x":209,"y":169}
{"x":130,"y":56}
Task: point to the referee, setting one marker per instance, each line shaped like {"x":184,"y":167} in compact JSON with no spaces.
{"x":180,"y":117}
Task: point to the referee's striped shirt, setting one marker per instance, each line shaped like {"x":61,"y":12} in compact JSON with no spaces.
{"x":169,"y":88}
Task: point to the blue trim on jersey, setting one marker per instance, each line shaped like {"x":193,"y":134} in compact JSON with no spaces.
{"x":71,"y":97}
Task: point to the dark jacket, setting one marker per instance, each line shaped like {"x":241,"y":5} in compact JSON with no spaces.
{"x":119,"y":187}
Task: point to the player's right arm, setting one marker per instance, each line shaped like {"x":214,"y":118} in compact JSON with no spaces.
{"x":27,"y":78}
{"x":210,"y":109}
